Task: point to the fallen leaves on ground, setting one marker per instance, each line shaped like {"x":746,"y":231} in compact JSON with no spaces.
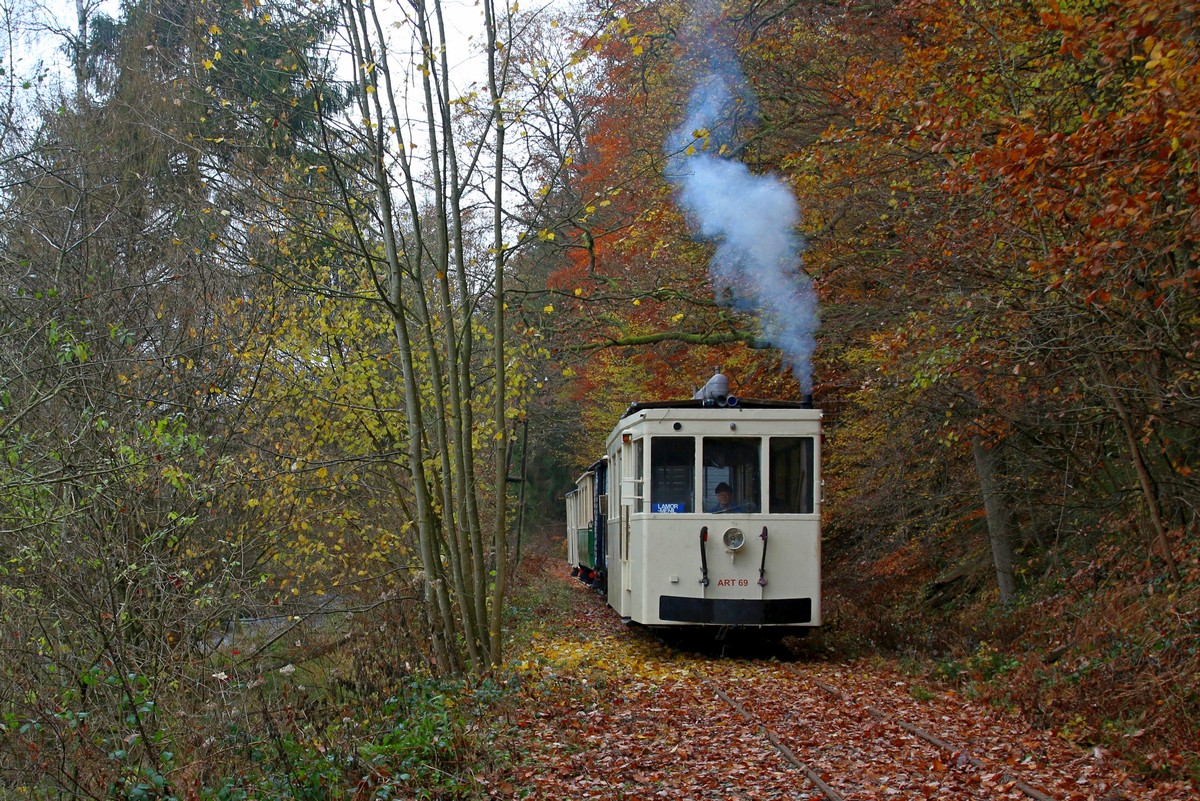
{"x":611,"y":713}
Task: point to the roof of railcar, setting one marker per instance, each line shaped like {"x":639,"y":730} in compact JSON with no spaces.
{"x":742,"y":403}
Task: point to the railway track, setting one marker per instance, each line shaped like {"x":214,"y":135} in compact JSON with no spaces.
{"x":887,"y":755}
{"x":617,"y":714}
{"x":621,"y":715}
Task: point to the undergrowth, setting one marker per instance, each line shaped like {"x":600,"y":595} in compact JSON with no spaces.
{"x":343,"y":713}
{"x":1108,"y":657}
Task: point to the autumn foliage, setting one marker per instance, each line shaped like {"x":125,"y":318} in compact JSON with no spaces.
{"x":1000,"y":210}
{"x":612,"y":712}
{"x":266,"y":392}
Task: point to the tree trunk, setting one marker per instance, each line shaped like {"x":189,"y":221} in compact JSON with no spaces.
{"x":1161,"y":541}
{"x":500,"y":524}
{"x":439,"y":606}
{"x":998,"y":519}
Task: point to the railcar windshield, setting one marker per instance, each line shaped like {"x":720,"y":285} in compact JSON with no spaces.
{"x":731,"y":477}
{"x":732,"y":481}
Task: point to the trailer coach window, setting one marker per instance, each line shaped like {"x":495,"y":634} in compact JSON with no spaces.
{"x":791,"y":481}
{"x":733,"y":461}
{"x":672,"y":475}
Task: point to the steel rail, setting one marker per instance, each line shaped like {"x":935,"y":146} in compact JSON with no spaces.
{"x":879,"y":714}
{"x":773,"y":738}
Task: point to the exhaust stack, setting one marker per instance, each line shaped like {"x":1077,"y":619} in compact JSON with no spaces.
{"x":715,"y":392}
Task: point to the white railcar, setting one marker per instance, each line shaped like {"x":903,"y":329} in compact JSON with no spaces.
{"x":675,"y":552}
{"x":584,"y":535}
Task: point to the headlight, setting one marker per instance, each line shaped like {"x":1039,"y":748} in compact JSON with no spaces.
{"x":733,"y":539}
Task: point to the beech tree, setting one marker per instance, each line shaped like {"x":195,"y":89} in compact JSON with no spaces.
{"x":1001,"y":123}
{"x":995,"y":208}
{"x":634,"y":306}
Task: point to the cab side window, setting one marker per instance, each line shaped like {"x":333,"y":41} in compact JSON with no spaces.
{"x":792,"y":489}
{"x":672,"y":475}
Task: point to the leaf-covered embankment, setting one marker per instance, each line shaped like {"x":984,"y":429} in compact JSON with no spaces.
{"x":609,"y":712}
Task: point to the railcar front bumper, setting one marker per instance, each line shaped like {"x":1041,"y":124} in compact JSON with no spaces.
{"x":735,"y":611}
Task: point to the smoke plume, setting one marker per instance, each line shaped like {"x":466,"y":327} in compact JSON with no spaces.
{"x":752,"y":219}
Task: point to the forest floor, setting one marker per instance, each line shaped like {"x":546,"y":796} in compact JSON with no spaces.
{"x":607,"y":711}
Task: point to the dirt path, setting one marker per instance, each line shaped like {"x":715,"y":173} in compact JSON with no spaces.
{"x":611,"y":713}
